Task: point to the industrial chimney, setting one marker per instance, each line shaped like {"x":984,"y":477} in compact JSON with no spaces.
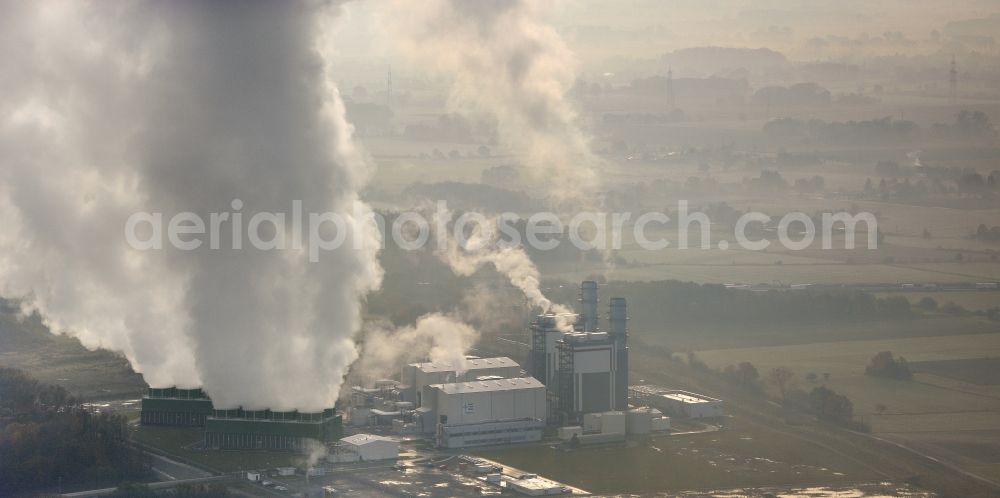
{"x":618,"y":333}
{"x":617,"y":317}
{"x":588,"y":305}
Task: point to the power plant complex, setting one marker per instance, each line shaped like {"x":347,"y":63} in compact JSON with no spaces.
{"x":576,"y":380}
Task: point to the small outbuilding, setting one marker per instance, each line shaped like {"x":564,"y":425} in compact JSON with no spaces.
{"x":370,"y":447}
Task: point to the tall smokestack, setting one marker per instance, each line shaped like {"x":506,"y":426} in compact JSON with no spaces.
{"x":588,"y":305}
{"x":617,"y":318}
{"x":618,"y":332}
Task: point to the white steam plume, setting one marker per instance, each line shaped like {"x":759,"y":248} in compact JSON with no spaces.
{"x":112,"y":108}
{"x":481,"y":248}
{"x":505,"y":62}
{"x":439,"y":337}
{"x":66,"y":186}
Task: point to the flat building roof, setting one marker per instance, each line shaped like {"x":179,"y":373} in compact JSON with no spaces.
{"x":471,"y":364}
{"x":674,"y":394}
{"x":362,"y":439}
{"x":490,"y":385}
{"x":686,"y":398}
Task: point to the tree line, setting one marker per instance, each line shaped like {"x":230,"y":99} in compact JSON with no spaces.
{"x":47,"y":438}
{"x":968,"y":124}
{"x":820,"y":401}
{"x":688,"y":302}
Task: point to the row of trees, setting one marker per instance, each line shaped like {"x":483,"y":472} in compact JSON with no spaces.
{"x":688,"y":302}
{"x":967,"y":125}
{"x":883,"y":364}
{"x":987,"y":234}
{"x":929,"y":304}
{"x":47,"y":437}
{"x":820,"y":401}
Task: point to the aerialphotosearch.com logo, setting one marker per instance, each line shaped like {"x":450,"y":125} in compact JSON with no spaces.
{"x":317,"y":232}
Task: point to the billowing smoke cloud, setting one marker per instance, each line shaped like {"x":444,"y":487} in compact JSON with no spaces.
{"x":492,"y":307}
{"x":112,"y":108}
{"x":505,"y":62}
{"x":66,"y":185}
{"x":481,"y":248}
{"x":435,"y":336}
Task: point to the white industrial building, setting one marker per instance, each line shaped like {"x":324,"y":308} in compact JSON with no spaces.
{"x":497,"y":411}
{"x":416,"y":376}
{"x":677,"y":402}
{"x":532,"y":485}
{"x":369,"y":447}
{"x":691,"y":405}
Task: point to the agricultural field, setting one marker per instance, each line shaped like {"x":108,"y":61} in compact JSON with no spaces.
{"x":939,"y":410}
{"x":981,"y":371}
